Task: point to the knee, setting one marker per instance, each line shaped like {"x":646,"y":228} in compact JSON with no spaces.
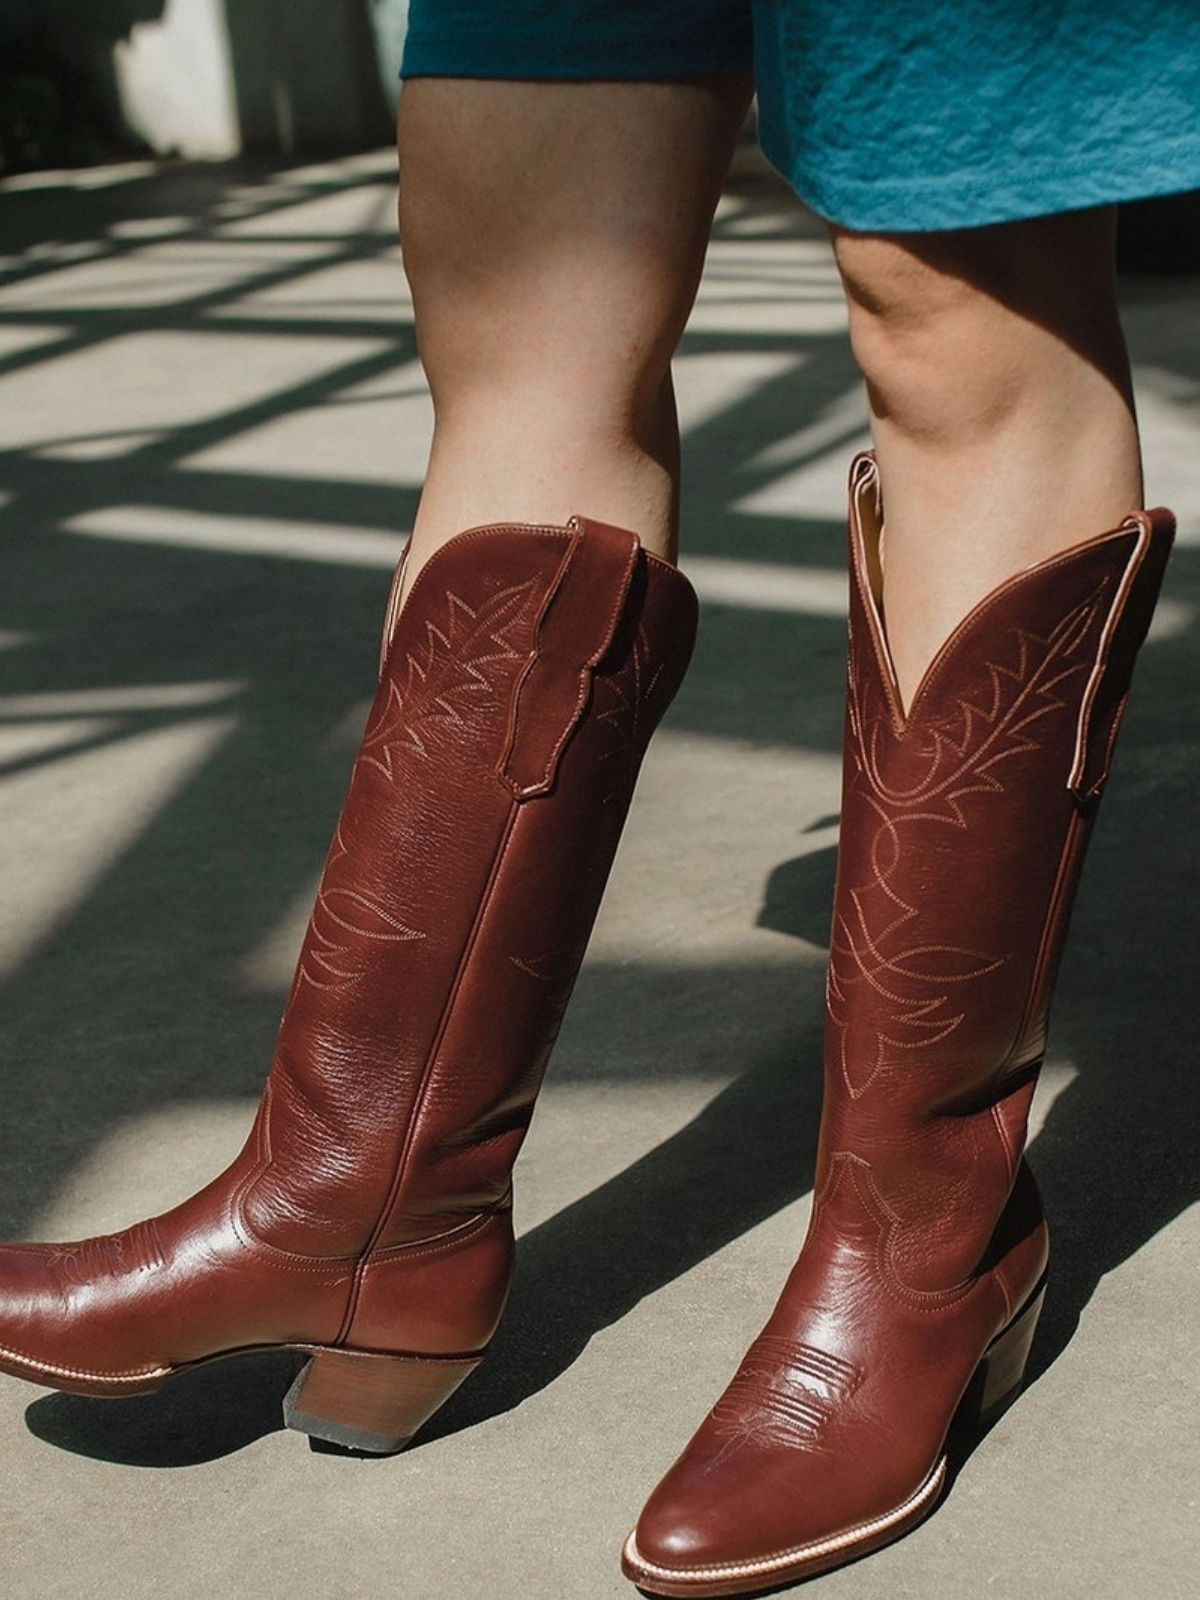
{"x":953,"y":330}
{"x":533,"y":258}
{"x":928,"y":339}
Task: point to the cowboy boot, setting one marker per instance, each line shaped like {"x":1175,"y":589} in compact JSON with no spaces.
{"x":964,"y":824}
{"x":367,"y":1222}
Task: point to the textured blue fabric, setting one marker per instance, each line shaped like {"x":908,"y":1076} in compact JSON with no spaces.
{"x":897,"y":115}
{"x":577,"y":38}
{"x":955,"y":113}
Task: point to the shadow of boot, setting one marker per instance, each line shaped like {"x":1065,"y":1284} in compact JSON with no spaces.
{"x":202,"y":1415}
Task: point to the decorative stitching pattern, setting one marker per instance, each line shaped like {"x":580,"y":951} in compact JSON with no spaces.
{"x":845,"y":1167}
{"x":628,"y":691}
{"x":340,"y":918}
{"x":554,"y":966}
{"x":784,"y":1393}
{"x":459,"y":661}
{"x":82,"y":1373}
{"x":112,"y":1255}
{"x":963,"y":755}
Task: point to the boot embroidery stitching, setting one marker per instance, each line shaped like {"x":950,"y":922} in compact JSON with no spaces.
{"x":785,"y":1393}
{"x":630,"y":690}
{"x":554,"y":966}
{"x":847,"y":1167}
{"x":917,"y":1020}
{"x":969,"y":742}
{"x":327,"y":958}
{"x":111,"y":1255}
{"x":461,"y":659}
{"x":333,"y":956}
{"x":965,"y":750}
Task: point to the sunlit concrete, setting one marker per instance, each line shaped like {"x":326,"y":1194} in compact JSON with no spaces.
{"x":351,"y":211}
{"x":807,"y":591}
{"x":255,"y":536}
{"x":710,"y":383}
{"x":65,"y":825}
{"x":83,"y":179}
{"x":197,"y":525}
{"x":375,"y":432}
{"x":139,"y":697}
{"x":150,"y":382}
{"x":15,"y":341}
{"x":158,"y":274}
{"x":352,"y":291}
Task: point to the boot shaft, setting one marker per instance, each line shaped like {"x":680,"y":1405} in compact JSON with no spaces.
{"x":964,"y":824}
{"x":521,"y":682}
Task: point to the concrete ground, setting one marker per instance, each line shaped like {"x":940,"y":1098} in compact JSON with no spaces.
{"x":212,"y":430}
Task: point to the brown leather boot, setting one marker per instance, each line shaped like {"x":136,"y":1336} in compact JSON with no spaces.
{"x":367,"y":1220}
{"x":963,"y":830}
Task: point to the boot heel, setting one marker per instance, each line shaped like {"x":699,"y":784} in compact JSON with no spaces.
{"x":1001,"y":1371}
{"x":371,"y":1402}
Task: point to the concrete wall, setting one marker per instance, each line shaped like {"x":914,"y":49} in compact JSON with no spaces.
{"x":175,"y":83}
{"x":306,"y":74}
{"x":209,"y":78}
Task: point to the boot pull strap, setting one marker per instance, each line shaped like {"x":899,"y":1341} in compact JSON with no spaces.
{"x":578,"y":621}
{"x":1104,"y":698}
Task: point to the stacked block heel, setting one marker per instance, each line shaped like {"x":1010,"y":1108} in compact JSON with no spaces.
{"x":1000,"y":1375}
{"x":371,"y":1402}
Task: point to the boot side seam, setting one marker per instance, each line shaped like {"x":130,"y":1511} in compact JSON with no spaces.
{"x":586,"y":671}
{"x":1053,"y":931}
{"x":409,"y":1136}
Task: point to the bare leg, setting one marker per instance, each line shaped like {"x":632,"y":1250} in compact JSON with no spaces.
{"x":1000,"y":404}
{"x":554,"y":236}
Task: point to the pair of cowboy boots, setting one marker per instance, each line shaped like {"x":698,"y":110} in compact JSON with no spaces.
{"x":366,"y":1224}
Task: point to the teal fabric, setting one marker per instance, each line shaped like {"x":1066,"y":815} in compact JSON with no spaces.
{"x":896,"y":115}
{"x":562,"y":39}
{"x":956,"y":113}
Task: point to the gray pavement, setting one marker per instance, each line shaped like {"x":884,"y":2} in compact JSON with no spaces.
{"x":212,"y":431}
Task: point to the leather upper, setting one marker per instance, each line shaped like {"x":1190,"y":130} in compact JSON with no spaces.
{"x":520,"y":684}
{"x":962,"y":834}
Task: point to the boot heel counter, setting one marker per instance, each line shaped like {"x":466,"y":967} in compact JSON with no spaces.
{"x":442,"y":1296}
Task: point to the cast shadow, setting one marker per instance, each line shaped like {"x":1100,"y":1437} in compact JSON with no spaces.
{"x":202,"y":1415}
